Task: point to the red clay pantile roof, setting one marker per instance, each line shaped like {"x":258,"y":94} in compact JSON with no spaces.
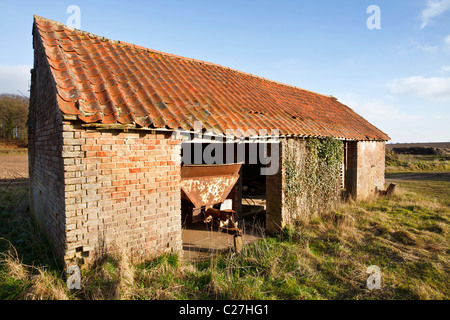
{"x":105,"y":81}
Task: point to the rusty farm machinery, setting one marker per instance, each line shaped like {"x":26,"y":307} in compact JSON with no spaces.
{"x":205,"y":189}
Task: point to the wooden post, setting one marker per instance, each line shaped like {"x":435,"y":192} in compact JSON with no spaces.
{"x":238,"y":243}
{"x":391,"y":189}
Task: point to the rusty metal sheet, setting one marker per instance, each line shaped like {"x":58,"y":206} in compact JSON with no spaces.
{"x":205,"y":185}
{"x":204,"y":170}
{"x":209,"y":190}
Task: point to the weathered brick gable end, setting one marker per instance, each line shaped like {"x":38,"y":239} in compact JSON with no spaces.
{"x":91,"y":189}
{"x":46,"y":166}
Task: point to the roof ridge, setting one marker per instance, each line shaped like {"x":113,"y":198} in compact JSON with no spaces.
{"x":180,"y":57}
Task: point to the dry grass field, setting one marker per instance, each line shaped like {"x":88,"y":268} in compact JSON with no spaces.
{"x":405,"y":235}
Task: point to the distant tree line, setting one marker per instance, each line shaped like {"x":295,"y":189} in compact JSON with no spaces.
{"x":13,"y":117}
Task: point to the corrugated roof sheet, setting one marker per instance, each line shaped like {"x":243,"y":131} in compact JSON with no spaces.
{"x":105,"y":81}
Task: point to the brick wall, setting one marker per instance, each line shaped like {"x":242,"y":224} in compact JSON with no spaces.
{"x":121,"y":189}
{"x":46,"y":174}
{"x":278,"y":214}
{"x":371,"y":165}
{"x":365,"y":168}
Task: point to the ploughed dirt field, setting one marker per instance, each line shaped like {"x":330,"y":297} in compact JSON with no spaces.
{"x":13,"y":167}
{"x":433,"y":176}
{"x":419,"y":145}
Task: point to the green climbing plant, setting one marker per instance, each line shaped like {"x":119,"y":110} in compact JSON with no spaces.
{"x":311,"y":176}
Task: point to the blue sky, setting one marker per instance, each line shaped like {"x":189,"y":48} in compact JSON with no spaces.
{"x":397,"y":77}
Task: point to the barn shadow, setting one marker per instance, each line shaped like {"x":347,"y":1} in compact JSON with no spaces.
{"x":201,"y":241}
{"x":19,"y":235}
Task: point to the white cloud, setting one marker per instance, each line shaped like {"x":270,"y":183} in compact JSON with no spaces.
{"x":14,"y":79}
{"x":444,"y":69}
{"x":434,"y":8}
{"x":403,"y":120}
{"x":447,"y":44}
{"x":434,"y":88}
{"x":425,"y":48}
{"x":379,"y":110}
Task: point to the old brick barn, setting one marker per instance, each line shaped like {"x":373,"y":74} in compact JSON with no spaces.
{"x":103,"y":163}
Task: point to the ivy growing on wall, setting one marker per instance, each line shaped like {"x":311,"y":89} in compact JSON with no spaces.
{"x":312,"y":176}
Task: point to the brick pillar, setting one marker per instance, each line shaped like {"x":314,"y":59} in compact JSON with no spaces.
{"x":365,"y":168}
{"x":351,"y":167}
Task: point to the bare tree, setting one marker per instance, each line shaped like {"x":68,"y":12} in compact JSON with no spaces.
{"x":13,"y":117}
